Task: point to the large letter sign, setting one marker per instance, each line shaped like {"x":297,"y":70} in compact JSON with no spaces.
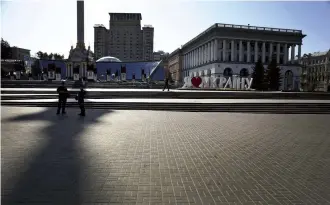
{"x":235,"y":82}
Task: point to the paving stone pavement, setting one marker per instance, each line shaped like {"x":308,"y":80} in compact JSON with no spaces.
{"x":153,"y":157}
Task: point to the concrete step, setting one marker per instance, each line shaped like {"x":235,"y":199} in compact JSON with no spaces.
{"x":303,"y":108}
{"x":174,"y":94}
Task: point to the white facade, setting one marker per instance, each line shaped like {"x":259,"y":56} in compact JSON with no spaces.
{"x":225,"y":55}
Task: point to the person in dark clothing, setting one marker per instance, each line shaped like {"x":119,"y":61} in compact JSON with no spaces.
{"x":63,"y":94}
{"x":167,"y":84}
{"x":81,"y":98}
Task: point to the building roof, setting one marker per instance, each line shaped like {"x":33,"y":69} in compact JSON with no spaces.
{"x":245,"y":27}
{"x":139,"y":15}
{"x":15,"y":47}
{"x":174,"y":52}
{"x":316,"y":54}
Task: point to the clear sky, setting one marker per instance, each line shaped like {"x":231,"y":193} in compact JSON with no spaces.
{"x":50,"y":25}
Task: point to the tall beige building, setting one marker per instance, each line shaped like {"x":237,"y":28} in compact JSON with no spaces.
{"x":125,"y":39}
{"x":148,"y":42}
{"x":101,"y":35}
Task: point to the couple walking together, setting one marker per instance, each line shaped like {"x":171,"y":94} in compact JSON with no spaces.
{"x":63,"y":95}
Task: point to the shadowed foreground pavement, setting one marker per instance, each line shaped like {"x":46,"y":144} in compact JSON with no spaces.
{"x":149,"y":157}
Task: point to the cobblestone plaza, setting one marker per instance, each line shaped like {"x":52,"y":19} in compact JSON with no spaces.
{"x":153,"y":157}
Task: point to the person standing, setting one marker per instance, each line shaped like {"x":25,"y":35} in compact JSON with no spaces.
{"x":167,"y":84}
{"x":63,"y":94}
{"x":81,"y":99}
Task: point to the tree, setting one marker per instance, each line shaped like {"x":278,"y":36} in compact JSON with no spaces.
{"x":273,"y":76}
{"x":258,"y":76}
{"x":5,"y":50}
{"x":19,"y":66}
{"x":46,"y":56}
{"x":42,"y":55}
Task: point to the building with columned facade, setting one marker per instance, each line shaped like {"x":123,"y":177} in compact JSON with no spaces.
{"x":227,"y":49}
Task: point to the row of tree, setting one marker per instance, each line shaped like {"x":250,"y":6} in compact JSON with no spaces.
{"x":6,"y":53}
{"x":46,"y":56}
{"x":266,"y":79}
{"x":5,"y":50}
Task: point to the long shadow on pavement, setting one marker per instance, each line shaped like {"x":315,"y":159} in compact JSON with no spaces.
{"x":56,"y":173}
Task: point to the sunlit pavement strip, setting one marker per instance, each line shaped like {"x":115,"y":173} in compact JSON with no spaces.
{"x":28,"y":94}
{"x":124,"y":90}
{"x":150,"y":100}
{"x":149,"y":157}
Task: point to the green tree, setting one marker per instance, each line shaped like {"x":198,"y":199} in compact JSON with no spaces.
{"x":258,"y":75}
{"x":42,"y":55}
{"x":5,"y":50}
{"x":19,"y":66}
{"x":273,"y":76}
{"x":45,"y":56}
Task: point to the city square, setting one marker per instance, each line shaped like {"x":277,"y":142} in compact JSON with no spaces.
{"x":161,"y":157}
{"x":236,"y":113}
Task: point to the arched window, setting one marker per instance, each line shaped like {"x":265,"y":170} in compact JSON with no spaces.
{"x":228,"y":72}
{"x":288,"y":80}
{"x":244,"y":73}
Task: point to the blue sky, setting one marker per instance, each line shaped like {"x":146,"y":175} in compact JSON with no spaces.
{"x":50,"y":25}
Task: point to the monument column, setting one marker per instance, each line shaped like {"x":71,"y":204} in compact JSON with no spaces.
{"x":80,"y":24}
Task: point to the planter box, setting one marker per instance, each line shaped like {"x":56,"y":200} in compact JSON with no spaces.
{"x":90,"y":75}
{"x":18,"y":76}
{"x":75,"y":76}
{"x":123,"y":76}
{"x":58,"y":77}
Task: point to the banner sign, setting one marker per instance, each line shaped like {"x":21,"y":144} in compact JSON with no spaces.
{"x":235,"y":82}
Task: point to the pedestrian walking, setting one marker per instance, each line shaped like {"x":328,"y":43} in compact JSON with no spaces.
{"x":81,"y":99}
{"x":167,"y":84}
{"x":63,"y":95}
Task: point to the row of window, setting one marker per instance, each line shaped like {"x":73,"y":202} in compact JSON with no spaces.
{"x":313,"y":62}
{"x":252,"y":59}
{"x":317,"y":69}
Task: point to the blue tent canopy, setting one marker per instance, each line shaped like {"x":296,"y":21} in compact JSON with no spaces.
{"x":58,"y":64}
{"x":153,"y":69}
